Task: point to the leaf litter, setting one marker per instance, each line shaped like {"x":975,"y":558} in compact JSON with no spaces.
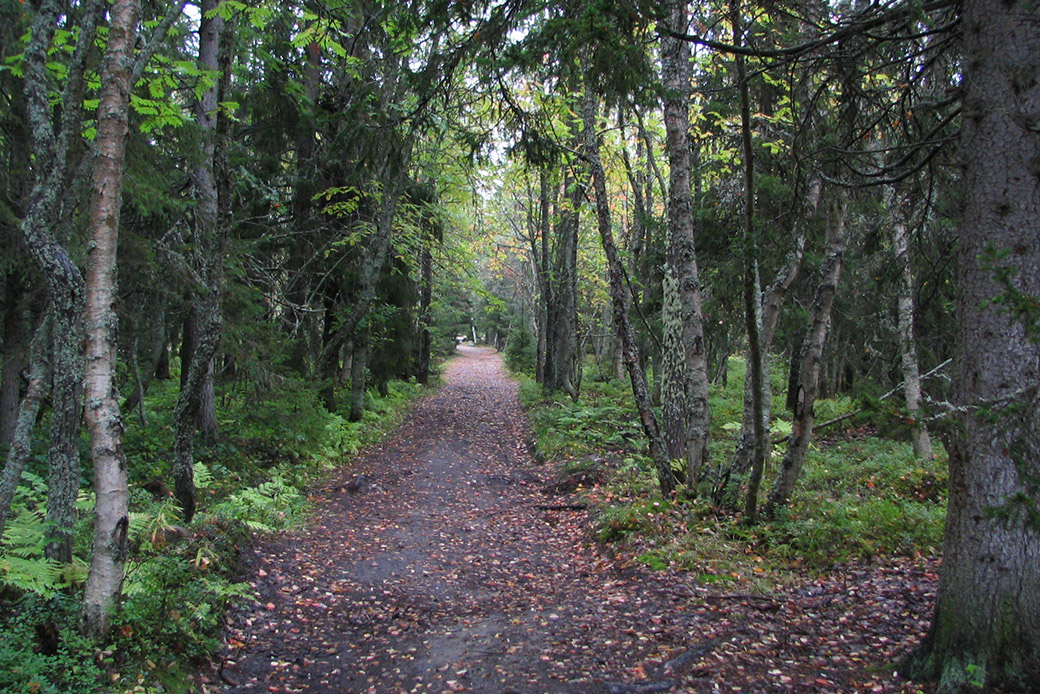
{"x":448,"y":571}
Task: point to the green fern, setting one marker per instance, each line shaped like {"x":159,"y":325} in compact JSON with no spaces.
{"x":37,"y":575}
{"x":266,"y":508}
{"x":203,"y":477}
{"x":26,"y":534}
{"x":22,"y":564}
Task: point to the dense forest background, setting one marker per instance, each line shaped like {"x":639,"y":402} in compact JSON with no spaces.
{"x":238,"y":237}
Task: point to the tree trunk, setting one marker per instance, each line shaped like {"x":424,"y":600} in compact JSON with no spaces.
{"x":375,"y":254}
{"x":111,"y":515}
{"x":207,"y":262}
{"x":332,"y":366}
{"x":684,"y":409}
{"x":187,"y":348}
{"x":51,"y":148}
{"x":307,"y":179}
{"x":206,"y":421}
{"x":810,"y":363}
{"x":425,"y":318}
{"x":15,"y":345}
{"x":162,"y":364}
{"x":757,"y":364}
{"x":985,"y":633}
{"x":21,"y":442}
{"x":540,"y":253}
{"x":347,"y":363}
{"x":561,"y":353}
{"x":771,"y":298}
{"x":907,"y":345}
{"x":157,"y":354}
{"x":621,"y":301}
{"x":358,"y":376}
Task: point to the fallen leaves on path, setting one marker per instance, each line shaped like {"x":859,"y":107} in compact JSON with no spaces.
{"x":450,"y":570}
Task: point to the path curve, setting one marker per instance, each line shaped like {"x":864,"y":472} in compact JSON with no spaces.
{"x":445,"y":575}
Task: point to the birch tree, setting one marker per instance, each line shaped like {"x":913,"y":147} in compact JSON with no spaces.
{"x":111,"y":516}
{"x":905,"y":328}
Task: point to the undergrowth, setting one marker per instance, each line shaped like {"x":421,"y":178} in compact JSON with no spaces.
{"x":179,"y":579}
{"x":860,"y":497}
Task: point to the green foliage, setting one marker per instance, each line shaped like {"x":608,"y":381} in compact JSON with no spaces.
{"x":22,"y":563}
{"x":604,"y":419}
{"x":618,"y":522}
{"x":653,"y":561}
{"x":858,"y":498}
{"x":520,"y":349}
{"x":179,"y":580}
{"x":23,"y":566}
{"x":832,"y":408}
{"x":172,"y":612}
{"x":266,"y":508}
{"x":41,"y":650}
{"x":289,"y":423}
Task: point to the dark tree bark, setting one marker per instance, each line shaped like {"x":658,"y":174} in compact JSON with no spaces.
{"x":358,"y":375}
{"x":332,"y":366}
{"x":771,"y":298}
{"x":162,"y":363}
{"x":157,"y":361}
{"x":207,"y":267}
{"x":374,"y":256}
{"x":422,"y":370}
{"x":21,"y":441}
{"x":621,"y":301}
{"x":540,"y":254}
{"x":111,"y":514}
{"x":17,"y":330}
{"x":985,"y":633}
{"x":206,"y":420}
{"x":301,"y":252}
{"x":561,"y":349}
{"x":757,"y":365}
{"x":51,"y":145}
{"x":684,"y":410}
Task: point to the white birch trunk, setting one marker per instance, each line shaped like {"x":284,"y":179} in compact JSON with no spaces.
{"x":111,"y":517}
{"x":907,"y":345}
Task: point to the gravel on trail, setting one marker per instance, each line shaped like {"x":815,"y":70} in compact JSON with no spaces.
{"x":436,"y":562}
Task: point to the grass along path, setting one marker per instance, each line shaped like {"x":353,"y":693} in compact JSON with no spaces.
{"x":438,"y":562}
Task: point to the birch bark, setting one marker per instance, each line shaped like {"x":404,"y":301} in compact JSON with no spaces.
{"x":111,"y":515}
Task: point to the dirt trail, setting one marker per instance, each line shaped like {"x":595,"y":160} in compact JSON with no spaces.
{"x":446,"y":573}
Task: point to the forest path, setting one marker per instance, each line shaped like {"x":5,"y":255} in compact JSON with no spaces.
{"x":446,"y":573}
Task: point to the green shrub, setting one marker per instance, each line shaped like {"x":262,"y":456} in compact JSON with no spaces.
{"x":618,"y":522}
{"x":520,"y":350}
{"x":41,"y":650}
{"x":268,"y":507}
{"x":172,"y":614}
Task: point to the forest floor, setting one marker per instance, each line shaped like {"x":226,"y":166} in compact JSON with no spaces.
{"x":441,"y":562}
